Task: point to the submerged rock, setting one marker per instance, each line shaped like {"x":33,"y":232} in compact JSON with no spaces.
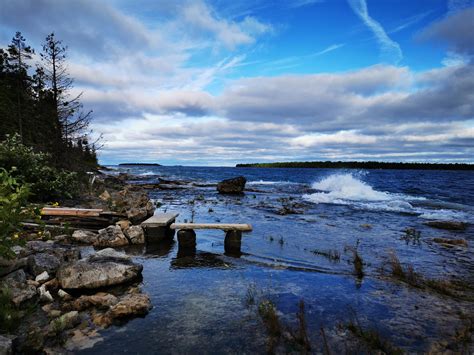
{"x":232,"y":186}
{"x":104,"y":268}
{"x":112,"y":236}
{"x":99,"y":300}
{"x":135,"y":234}
{"x":448,"y":225}
{"x":451,"y":242}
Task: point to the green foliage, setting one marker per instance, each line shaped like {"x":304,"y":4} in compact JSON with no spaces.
{"x":13,"y":199}
{"x":46,"y":182}
{"x":9,"y":315}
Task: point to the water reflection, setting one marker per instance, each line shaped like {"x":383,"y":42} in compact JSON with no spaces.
{"x":189,"y":258}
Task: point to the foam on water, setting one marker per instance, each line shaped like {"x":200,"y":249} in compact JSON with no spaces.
{"x":264,"y":182}
{"x":346,"y":189}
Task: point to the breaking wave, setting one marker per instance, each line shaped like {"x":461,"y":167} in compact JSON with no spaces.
{"x":346,"y":189}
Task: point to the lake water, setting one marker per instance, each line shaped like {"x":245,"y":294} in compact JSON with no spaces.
{"x":201,"y":302}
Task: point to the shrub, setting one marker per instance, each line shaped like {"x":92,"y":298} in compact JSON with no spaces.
{"x":13,"y":200}
{"x":46,"y":182}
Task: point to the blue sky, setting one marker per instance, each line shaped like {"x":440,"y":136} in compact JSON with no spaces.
{"x":219,"y":82}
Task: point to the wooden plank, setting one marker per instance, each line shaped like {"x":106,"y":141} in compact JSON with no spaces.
{"x":223,"y":226}
{"x":78,"y":212}
{"x":160,"y":220}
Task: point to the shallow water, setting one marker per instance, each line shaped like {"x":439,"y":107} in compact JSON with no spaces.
{"x":200,"y":301}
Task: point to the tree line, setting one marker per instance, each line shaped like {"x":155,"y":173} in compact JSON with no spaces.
{"x":37,"y":104}
{"x":361,"y":165}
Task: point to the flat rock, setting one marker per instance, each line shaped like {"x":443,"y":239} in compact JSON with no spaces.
{"x":448,"y":225}
{"x":112,"y":236}
{"x":85,"y":237}
{"x":98,"y":270}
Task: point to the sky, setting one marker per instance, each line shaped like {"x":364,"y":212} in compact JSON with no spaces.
{"x":197,"y":82}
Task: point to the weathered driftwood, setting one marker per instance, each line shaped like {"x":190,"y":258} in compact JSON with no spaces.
{"x":36,"y":226}
{"x":221,"y":226}
{"x":78,"y":212}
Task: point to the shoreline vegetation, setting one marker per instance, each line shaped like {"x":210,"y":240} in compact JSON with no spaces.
{"x":361,"y":165}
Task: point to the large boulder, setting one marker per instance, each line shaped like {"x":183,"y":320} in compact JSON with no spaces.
{"x":232,"y":186}
{"x":135,"y":234}
{"x":104,"y":268}
{"x":112,"y":236}
{"x":44,"y":256}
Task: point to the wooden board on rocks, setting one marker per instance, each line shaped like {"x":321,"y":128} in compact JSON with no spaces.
{"x":77,"y":212}
{"x":223,"y":226}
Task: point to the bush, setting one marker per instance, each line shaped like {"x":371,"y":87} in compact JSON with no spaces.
{"x":46,"y":182}
{"x":13,"y":200}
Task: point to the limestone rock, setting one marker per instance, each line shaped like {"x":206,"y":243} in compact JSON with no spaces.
{"x":43,"y":262}
{"x":123,"y":224}
{"x":43,"y":277}
{"x":112,"y":236}
{"x":232,"y":186}
{"x":48,"y":257}
{"x":135,"y":234}
{"x":64,"y":295}
{"x":85,"y":237}
{"x":99,"y":300}
{"x":19,"y":289}
{"x":131,"y":305}
{"x":45,"y":295}
{"x":105,"y":268}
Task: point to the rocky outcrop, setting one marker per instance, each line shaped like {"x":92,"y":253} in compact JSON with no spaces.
{"x":44,"y":256}
{"x":232,"y":186}
{"x":135,"y":234}
{"x":104,"y":268}
{"x":448,"y":225}
{"x":112,"y":236}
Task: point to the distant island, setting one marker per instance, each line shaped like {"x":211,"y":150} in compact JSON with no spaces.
{"x":139,"y":164}
{"x":360,"y":165}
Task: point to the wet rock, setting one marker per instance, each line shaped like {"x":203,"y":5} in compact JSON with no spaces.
{"x":19,"y":289}
{"x":131,"y":305}
{"x":85,"y":237}
{"x":232,"y":186}
{"x":135,"y":234}
{"x":112,"y":236}
{"x":43,"y":277}
{"x":448,"y":225}
{"x":105,"y":268}
{"x":451,"y":242}
{"x":99,"y":300}
{"x":5,"y":345}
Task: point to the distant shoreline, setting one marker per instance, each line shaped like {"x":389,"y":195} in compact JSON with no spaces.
{"x":139,"y":164}
{"x":361,"y":165}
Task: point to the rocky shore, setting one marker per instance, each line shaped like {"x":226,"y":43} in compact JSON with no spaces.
{"x":55,"y":299}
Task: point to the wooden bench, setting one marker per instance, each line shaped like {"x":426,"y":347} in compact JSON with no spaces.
{"x":232,"y":241}
{"x":157,"y":227}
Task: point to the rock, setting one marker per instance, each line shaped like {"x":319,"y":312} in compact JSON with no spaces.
{"x":43,"y":277}
{"x":451,"y":242}
{"x":112,"y":236}
{"x":52,"y":284}
{"x":105,"y":196}
{"x":131,"y":305}
{"x":137,"y":215}
{"x":54,"y":313}
{"x":61,"y":238}
{"x":448,"y":225}
{"x":45,"y":295}
{"x":123,"y":224}
{"x":99,"y":300}
{"x":232,"y":186}
{"x":7,"y":266}
{"x":20,"y":291}
{"x":85,"y":237}
{"x":5,"y":345}
{"x":64,"y":295}
{"x":105,"y":268}
{"x":43,"y":262}
{"x":135,"y":234}
{"x":66,"y":321}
